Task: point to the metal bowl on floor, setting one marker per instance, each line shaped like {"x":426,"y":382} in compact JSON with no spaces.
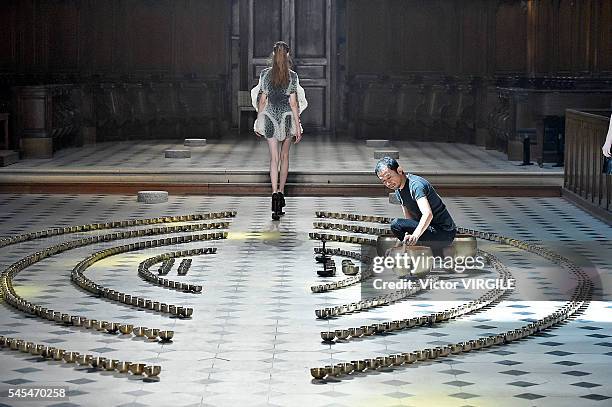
{"x":126,"y":329}
{"x":384,"y":243}
{"x":318,"y":372}
{"x":84,"y":360}
{"x":71,"y":357}
{"x":465,"y":246}
{"x":140,"y":331}
{"x":124,"y":367}
{"x":137,"y":368}
{"x":166,"y":336}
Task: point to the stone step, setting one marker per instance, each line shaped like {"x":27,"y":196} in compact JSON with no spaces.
{"x":386,"y":153}
{"x":377,"y":143}
{"x":8,"y":157}
{"x":177,"y":153}
{"x":152,"y":196}
{"x":195,"y":142}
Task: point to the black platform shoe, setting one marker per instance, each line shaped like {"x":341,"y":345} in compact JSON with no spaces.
{"x":275,"y":206}
{"x":281,"y":199}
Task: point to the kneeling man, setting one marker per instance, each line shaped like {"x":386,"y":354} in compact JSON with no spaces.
{"x":426,"y":219}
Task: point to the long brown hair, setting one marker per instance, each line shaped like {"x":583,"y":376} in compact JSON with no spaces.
{"x":281,"y":63}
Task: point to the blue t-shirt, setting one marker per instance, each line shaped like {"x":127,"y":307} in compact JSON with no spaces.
{"x":417,"y":187}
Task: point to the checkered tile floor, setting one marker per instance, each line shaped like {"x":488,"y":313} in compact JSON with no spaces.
{"x":250,"y":153}
{"x":253,"y":335}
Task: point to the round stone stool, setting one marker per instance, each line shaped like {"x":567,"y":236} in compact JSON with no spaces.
{"x":386,"y":153}
{"x":152,"y":196}
{"x":195,"y":142}
{"x":178,"y":153}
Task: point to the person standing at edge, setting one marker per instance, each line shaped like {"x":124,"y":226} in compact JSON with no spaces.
{"x":426,"y":219}
{"x":278,"y":119}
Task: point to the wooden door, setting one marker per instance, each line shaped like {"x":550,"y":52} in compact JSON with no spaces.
{"x":306,"y":25}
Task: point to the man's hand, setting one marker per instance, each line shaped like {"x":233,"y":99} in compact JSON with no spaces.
{"x":410,"y":240}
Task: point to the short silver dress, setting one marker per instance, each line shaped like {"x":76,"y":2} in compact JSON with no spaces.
{"x":277,"y":117}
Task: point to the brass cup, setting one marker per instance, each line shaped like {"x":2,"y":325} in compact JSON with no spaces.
{"x":137,"y":368}
{"x":101,"y":325}
{"x":186,"y":312}
{"x":112,"y":327}
{"x":151,"y":333}
{"x":397,"y":359}
{"x":126,"y":329}
{"x":124,"y":367}
{"x":66,"y":318}
{"x":337,"y":370}
{"x":14,"y":344}
{"x":318,"y":372}
{"x":371,"y":364}
{"x":465,"y":346}
{"x":358,"y":365}
{"x":71,"y":357}
{"x":37,"y":350}
{"x":25,"y":346}
{"x":172,"y":309}
{"x":347,"y":368}
{"x":163,"y":307}
{"x":58,"y":354}
{"x":166,"y":336}
{"x":47,"y":352}
{"x":98,"y":362}
{"x":342,"y":333}
{"x":84,"y":360}
{"x":110,"y":364}
{"x":331,"y":370}
{"x":410,"y":357}
{"x":140,"y":331}
{"x":420,"y":355}
{"x":368,"y":330}
{"x":328,"y":336}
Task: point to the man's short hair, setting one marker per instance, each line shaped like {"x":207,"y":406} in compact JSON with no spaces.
{"x":386,"y":162}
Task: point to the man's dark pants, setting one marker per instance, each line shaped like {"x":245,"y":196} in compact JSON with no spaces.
{"x":434,"y":238}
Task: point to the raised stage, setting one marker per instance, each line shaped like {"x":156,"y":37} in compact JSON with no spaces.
{"x":318,"y":166}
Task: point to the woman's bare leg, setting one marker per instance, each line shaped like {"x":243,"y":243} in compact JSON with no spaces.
{"x":273,"y":146}
{"x":284,"y":163}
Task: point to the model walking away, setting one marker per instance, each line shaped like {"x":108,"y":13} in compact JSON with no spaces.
{"x":278,"y":119}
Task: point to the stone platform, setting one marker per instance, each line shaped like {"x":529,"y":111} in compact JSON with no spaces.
{"x":318,"y":166}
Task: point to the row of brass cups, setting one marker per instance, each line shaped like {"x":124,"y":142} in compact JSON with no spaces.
{"x":50,"y":352}
{"x":110,"y":327}
{"x":441,"y":351}
{"x":117,"y":224}
{"x":344,"y":253}
{"x":350,"y":228}
{"x":164,"y":282}
{"x":335,"y":285}
{"x":179,"y":311}
{"x":381,"y":300}
{"x":408,"y":323}
{"x":352,"y":217}
{"x":357,"y":306}
{"x":342,"y":239}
